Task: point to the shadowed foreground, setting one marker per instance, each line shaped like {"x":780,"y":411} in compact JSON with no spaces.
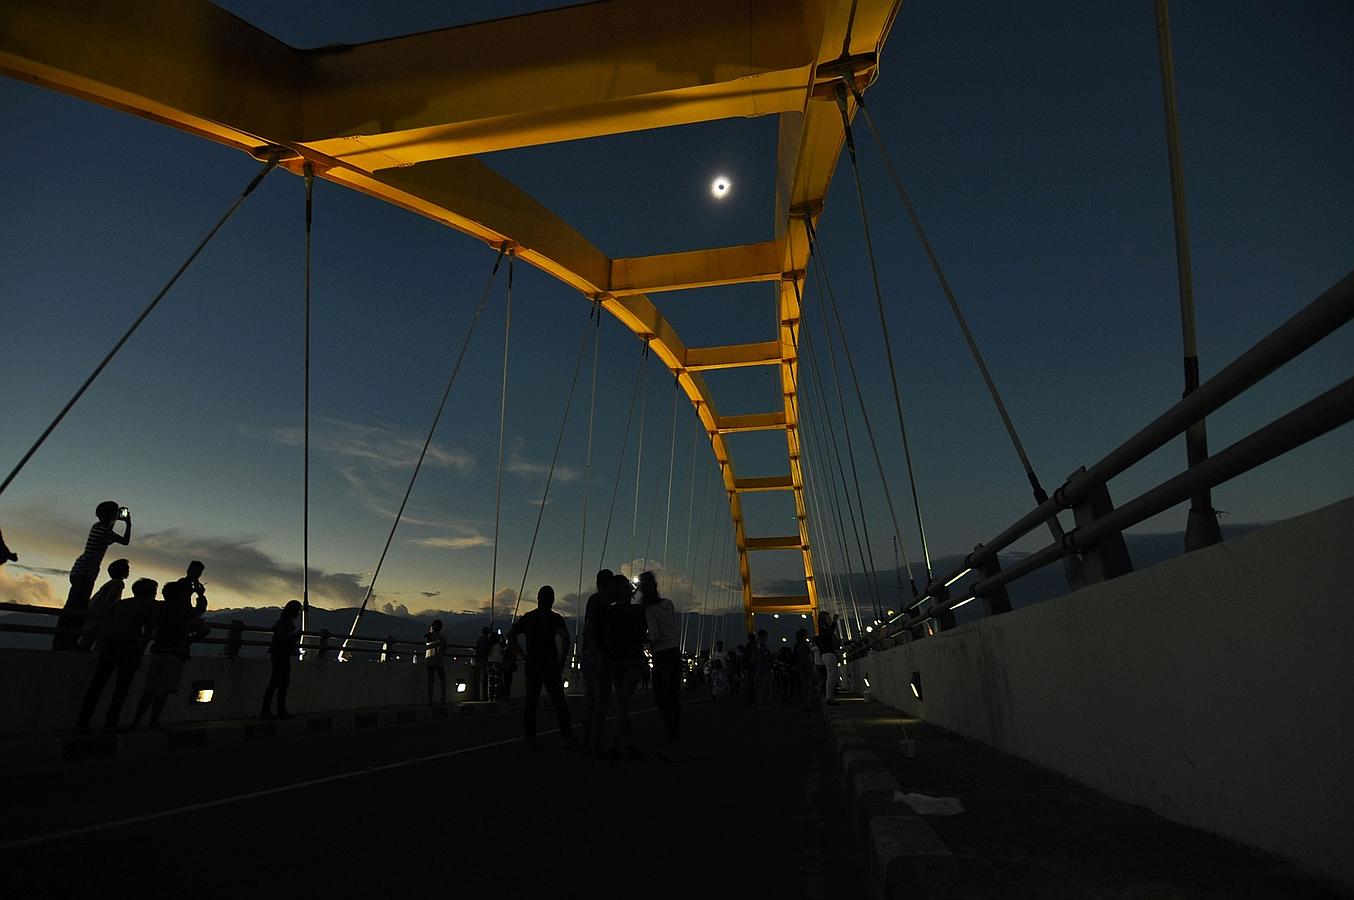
{"x":744,"y":810}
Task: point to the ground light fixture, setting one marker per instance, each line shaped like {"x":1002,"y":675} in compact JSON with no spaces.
{"x":867,"y":680}
{"x":566,"y":685}
{"x":460,"y":687}
{"x":202,"y":691}
{"x":916,"y":685}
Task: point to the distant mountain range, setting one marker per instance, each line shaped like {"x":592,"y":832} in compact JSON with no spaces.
{"x":462,"y":629}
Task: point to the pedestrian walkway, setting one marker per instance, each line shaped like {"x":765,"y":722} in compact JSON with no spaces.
{"x":449,"y":806}
{"x":1029,"y":832}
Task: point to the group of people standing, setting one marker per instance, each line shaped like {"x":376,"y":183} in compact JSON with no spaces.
{"x":805,"y":671}
{"x":120,"y":629}
{"x":612,"y":658}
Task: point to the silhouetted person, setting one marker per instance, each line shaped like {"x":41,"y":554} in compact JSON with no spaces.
{"x":719,"y":681}
{"x":6,"y":554}
{"x":623,"y":654}
{"x":178,"y":622}
{"x":547,"y":650}
{"x":494,"y":667}
{"x":761,"y":670}
{"x":509,"y":667}
{"x":802,"y":656}
{"x":85,"y":570}
{"x":125,"y":629}
{"x":192,"y":582}
{"x":596,"y":690}
{"x":435,"y":656}
{"x":481,"y":685}
{"x":101,"y":604}
{"x":661,"y":618}
{"x":749,"y":668}
{"x":826,"y":640}
{"x":282,"y":649}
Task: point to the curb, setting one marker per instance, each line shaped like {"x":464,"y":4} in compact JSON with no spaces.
{"x":146,"y":743}
{"x":907,"y":859}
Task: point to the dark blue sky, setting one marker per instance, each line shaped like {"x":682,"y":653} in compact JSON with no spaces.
{"x":1032,"y":142}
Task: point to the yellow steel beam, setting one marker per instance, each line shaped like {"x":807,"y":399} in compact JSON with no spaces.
{"x":780,"y":542}
{"x":733,"y":356}
{"x":563,"y":74}
{"x":797,"y":603}
{"x":602,"y":68}
{"x":751,"y":422}
{"x":766,"y":483}
{"x":696,"y":269}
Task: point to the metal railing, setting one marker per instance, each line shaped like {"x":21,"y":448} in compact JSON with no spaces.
{"x":316,"y":644}
{"x":1098,"y":535}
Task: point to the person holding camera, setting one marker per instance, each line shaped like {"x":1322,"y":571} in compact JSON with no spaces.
{"x":86,"y":568}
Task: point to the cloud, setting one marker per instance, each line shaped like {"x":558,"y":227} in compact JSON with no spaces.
{"x":431,"y":594}
{"x":516,"y":465}
{"x":387,"y":448}
{"x":396,"y":609}
{"x":238,"y":566}
{"x":18,"y":586}
{"x":466,"y":540}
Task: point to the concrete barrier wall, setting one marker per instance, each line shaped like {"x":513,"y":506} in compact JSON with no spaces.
{"x":1217,"y":688}
{"x":41,"y":690}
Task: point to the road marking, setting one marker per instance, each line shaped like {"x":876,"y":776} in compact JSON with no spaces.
{"x":254,"y":795}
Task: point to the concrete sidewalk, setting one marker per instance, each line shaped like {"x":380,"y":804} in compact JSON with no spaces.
{"x":69,"y":746}
{"x":1028,"y":832}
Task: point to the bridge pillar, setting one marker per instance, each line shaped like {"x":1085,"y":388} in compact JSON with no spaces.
{"x":1109,"y":558}
{"x":945,"y":618}
{"x":234,"y":639}
{"x":997,"y":602}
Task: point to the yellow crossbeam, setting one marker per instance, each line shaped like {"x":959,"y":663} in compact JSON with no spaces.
{"x":769,"y":483}
{"x":773,"y":421}
{"x":696,"y":269}
{"x":733,"y":356}
{"x":785,"y":542}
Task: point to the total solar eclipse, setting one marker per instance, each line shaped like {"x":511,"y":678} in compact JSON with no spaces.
{"x":720,"y":187}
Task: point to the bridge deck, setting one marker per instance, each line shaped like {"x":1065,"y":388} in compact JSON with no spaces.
{"x":458,"y":802}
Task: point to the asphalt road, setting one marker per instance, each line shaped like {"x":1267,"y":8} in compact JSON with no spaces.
{"x":459,"y":806}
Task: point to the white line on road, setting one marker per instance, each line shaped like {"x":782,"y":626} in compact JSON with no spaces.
{"x":254,"y":795}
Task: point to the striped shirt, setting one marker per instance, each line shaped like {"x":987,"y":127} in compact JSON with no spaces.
{"x":87,"y":564}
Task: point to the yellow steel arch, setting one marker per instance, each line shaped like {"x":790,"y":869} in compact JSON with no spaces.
{"x":399,"y":119}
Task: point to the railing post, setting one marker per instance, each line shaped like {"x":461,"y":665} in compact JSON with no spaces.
{"x":388,"y":649}
{"x":997,"y":602}
{"x":234,"y":639}
{"x":944,"y":618}
{"x":1109,"y":558}
{"x":322,"y":652}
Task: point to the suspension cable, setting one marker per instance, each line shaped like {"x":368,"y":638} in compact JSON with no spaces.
{"x":672,"y":456}
{"x":814,"y":377}
{"x":639,"y":462}
{"x":835,"y":465}
{"x":815,"y":380}
{"x":625,"y":443}
{"x":596,"y":313}
{"x":1040,"y":495}
{"x":309,"y":173}
{"x":826,"y":284}
{"x":692,"y":552}
{"x":672,"y":461}
{"x":884,"y":327}
{"x":249,"y":189}
{"x":690,"y":512}
{"x":446,"y":392}
{"x":867,"y":556}
{"x":502,"y":421}
{"x":554,"y":459}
